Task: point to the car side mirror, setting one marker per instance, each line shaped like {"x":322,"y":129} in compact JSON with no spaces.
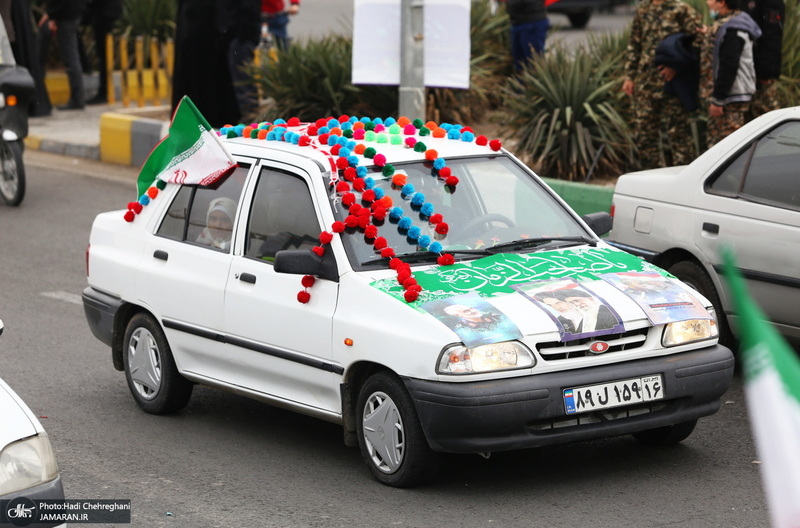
{"x":599,"y":222}
{"x":306,"y":262}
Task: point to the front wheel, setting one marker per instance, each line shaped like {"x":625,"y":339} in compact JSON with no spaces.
{"x":12,"y":172}
{"x":390,"y":436}
{"x":153,"y":378}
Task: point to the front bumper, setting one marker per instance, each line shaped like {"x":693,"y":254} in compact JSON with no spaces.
{"x":529,"y":411}
{"x":53,"y":490}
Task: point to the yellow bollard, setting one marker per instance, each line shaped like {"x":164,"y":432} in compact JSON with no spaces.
{"x":123,"y":66}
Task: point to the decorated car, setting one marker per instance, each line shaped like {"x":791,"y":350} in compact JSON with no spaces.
{"x":413,"y":282}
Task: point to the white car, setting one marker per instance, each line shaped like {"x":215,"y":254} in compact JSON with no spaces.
{"x":745,"y":193}
{"x":430,"y":294}
{"x":28,"y":468}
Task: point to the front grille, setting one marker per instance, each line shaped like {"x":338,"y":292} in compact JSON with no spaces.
{"x":556,"y":350}
{"x":606,"y":415}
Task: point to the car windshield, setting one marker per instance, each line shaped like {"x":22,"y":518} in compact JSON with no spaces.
{"x":495,"y":206}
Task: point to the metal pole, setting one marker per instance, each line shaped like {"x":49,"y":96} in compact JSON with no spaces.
{"x":412,"y":59}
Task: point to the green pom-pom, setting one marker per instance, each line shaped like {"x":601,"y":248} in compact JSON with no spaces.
{"x":369,"y":152}
{"x":419,"y":146}
{"x":231,"y":134}
{"x":388,"y":170}
{"x":369,"y":136}
{"x":369,"y":126}
{"x":395,"y":129}
{"x":396,"y":140}
{"x":424,"y":131}
{"x":383,"y":138}
{"x":347,"y":133}
{"x":418,"y":123}
{"x":254,"y":133}
{"x":161,"y":185}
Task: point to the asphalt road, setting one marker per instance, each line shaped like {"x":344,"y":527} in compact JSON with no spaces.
{"x":229,"y":461}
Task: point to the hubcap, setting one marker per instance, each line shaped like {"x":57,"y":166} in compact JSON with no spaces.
{"x":144,"y":361}
{"x":383,"y":432}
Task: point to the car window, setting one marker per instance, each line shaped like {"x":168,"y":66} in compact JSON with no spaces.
{"x":282,"y":215}
{"x":772,"y":174}
{"x":205,"y":215}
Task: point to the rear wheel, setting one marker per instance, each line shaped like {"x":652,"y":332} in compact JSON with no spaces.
{"x":390,"y":436}
{"x":153,"y":378}
{"x":669,"y":435}
{"x":695,"y":276}
{"x":12,"y":172}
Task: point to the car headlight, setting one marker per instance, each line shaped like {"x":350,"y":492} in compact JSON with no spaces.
{"x":27,"y":463}
{"x":459,"y":359}
{"x":682,"y":332}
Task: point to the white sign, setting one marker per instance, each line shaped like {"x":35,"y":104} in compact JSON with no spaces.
{"x":376,"y":42}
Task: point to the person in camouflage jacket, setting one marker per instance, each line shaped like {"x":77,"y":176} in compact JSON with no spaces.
{"x":655,"y":111}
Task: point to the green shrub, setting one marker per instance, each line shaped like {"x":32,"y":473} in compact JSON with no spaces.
{"x":148,"y":18}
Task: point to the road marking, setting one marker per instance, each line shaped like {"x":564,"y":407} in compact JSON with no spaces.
{"x":64,"y":296}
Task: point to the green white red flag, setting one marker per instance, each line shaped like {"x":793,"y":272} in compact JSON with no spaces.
{"x":772,"y":389}
{"x":191,"y":153}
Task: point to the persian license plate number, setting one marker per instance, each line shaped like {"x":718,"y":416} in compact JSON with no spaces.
{"x":614,"y":394}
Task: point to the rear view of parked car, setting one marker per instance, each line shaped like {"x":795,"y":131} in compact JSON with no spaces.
{"x":414,"y":283}
{"x":744,"y":193}
{"x":28,"y":467}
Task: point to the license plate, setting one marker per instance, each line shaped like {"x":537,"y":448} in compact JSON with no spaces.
{"x":614,"y":394}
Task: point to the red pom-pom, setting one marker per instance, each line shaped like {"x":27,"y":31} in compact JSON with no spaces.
{"x":307,"y":281}
{"x":342,"y":186}
{"x":349,"y":173}
{"x":335,"y":149}
{"x":137,"y":207}
{"x":415,"y":287}
{"x":351,"y":221}
{"x":131,"y":205}
{"x":394,"y":263}
{"x":379,"y":160}
{"x":368,"y":196}
{"x":403,"y":275}
{"x":319,"y":250}
{"x":129,"y":215}
{"x":338,"y":227}
{"x":359,"y":184}
{"x":481,"y":140}
{"x":371,"y":231}
{"x":325,"y":237}
{"x":445,"y":172}
{"x":410,"y":295}
{"x":313,"y":130}
{"x":409,"y":282}
{"x":303,"y":297}
{"x":442,"y":228}
{"x":356,"y":208}
{"x":323,"y":138}
{"x":343,"y":118}
{"x":452,"y":181}
{"x":435,"y":218}
{"x":379,"y":214}
{"x":495,"y":144}
{"x":387,"y":252}
{"x":293,"y":121}
{"x":304,"y":141}
{"x":342,"y":163}
{"x":380,"y":243}
{"x":446,"y":260}
{"x":348,"y":199}
{"x":363,"y":221}
{"x":321,"y":122}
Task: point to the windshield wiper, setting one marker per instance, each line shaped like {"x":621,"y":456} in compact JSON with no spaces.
{"x":525,"y":243}
{"x":425,"y":256}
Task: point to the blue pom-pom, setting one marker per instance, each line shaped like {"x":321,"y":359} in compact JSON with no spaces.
{"x":377,"y":121}
{"x":435,"y":247}
{"x":407,"y":189}
{"x":366,"y":120}
{"x":351,"y":144}
{"x":323,"y":130}
{"x":418,"y":199}
{"x":333,"y":123}
{"x":453,"y":134}
{"x":239,"y":129}
{"x":395,"y":213}
{"x":332,"y":140}
{"x":342,"y":140}
{"x":272,"y":136}
{"x":468,"y":137}
{"x":361,"y":171}
{"x":389,"y":121}
{"x":144,"y":199}
{"x":404,"y":223}
{"x":352,"y":160}
{"x":280,"y":121}
{"x":424,"y":241}
{"x":426,"y":209}
{"x":439,"y":163}
{"x":344,"y":152}
{"x":347,"y":125}
{"x":369,"y":182}
{"x":379,"y":193}
{"x":413,"y":232}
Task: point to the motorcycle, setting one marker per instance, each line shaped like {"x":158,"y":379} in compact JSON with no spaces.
{"x":16,"y":90}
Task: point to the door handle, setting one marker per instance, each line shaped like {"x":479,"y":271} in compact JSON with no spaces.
{"x":247,"y":277}
{"x":161,"y":255}
{"x":711,"y":228}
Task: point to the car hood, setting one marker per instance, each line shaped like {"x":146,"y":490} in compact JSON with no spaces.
{"x":17,"y":419}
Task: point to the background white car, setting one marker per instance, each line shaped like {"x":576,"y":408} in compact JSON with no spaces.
{"x":744,"y":192}
{"x":28,"y":467}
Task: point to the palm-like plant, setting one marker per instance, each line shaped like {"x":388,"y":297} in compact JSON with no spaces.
{"x":148,"y":18}
{"x":566,"y":115}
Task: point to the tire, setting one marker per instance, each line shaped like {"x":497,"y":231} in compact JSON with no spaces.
{"x":153,"y":379}
{"x":669,"y":435}
{"x":579,"y":20}
{"x":390,"y":436}
{"x":695,"y":276}
{"x":12,"y":172}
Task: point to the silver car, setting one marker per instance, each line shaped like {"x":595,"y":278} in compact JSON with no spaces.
{"x":744,"y":193}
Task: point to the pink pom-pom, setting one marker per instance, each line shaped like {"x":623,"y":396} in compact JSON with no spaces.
{"x":303,"y":297}
{"x":359,"y":134}
{"x":379,"y":160}
{"x":409,"y":130}
{"x":410,"y":142}
{"x":307,"y":281}
{"x":338,"y":227}
{"x":325,"y":237}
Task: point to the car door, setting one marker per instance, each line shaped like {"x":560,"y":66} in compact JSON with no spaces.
{"x":753,"y":206}
{"x":185,"y":267}
{"x":281,"y":347}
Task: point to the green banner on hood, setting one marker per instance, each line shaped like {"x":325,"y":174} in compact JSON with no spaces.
{"x":496,"y":274}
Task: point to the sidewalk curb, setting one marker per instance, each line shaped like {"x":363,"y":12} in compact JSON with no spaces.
{"x":128,"y":140}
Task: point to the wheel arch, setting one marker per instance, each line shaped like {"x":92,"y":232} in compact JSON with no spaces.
{"x":672,"y":256}
{"x":353,"y":379}
{"x":124,"y":314}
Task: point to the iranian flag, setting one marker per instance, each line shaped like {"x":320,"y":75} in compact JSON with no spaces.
{"x":191,"y":153}
{"x":772,"y":389}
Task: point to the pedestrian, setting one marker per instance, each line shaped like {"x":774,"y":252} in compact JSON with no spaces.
{"x":101,"y":15}
{"x":62,"y":18}
{"x":659,"y":117}
{"x":729,"y":73}
{"x":767,"y":53}
{"x":529,"y":25}
{"x":239,"y":23}
{"x":275,"y":14}
{"x":25,"y":46}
